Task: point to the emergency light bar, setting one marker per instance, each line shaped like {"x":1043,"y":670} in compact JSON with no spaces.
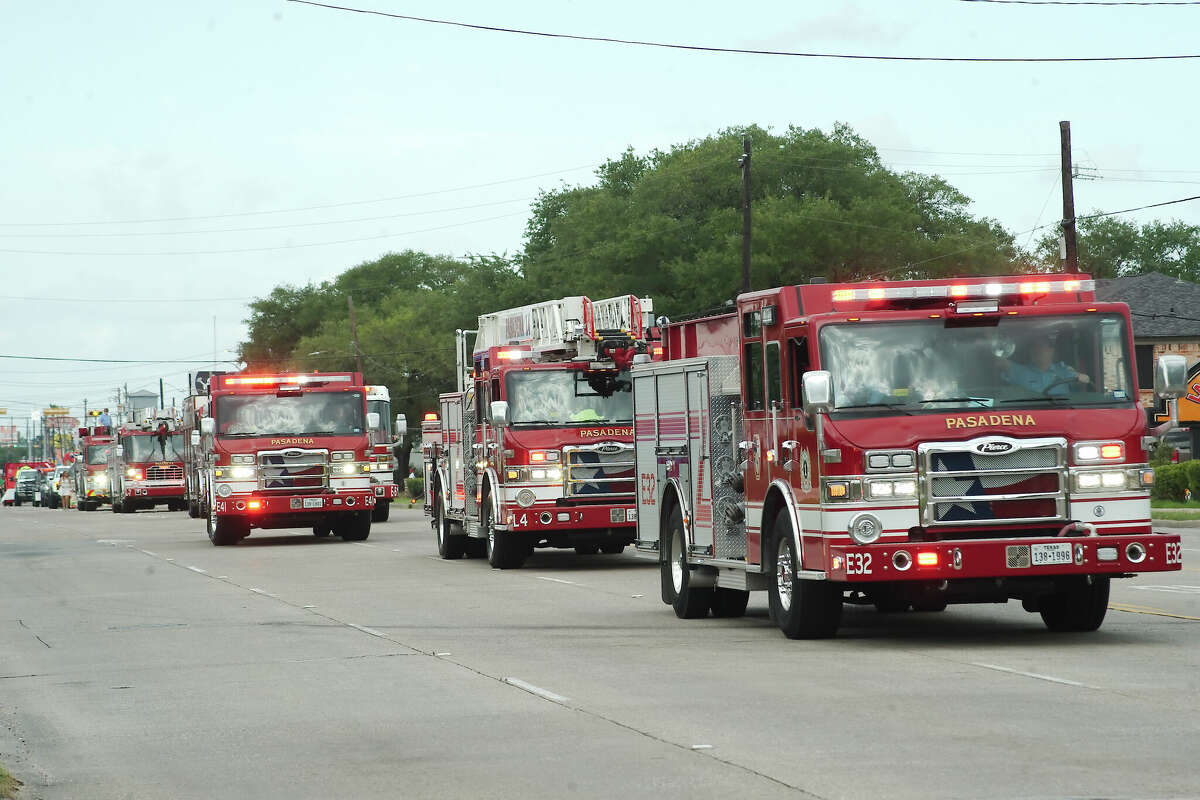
{"x":289,"y":380}
{"x":959,"y":290}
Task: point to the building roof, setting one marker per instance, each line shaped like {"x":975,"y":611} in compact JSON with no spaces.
{"x":1161,"y":306}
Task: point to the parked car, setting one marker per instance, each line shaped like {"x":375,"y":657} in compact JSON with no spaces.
{"x":27,"y":486}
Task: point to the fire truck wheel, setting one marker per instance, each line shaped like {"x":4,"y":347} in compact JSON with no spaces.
{"x":354,"y":527}
{"x":612,"y":548}
{"x":449,"y":547}
{"x":476,"y":548}
{"x":803,"y":609}
{"x":505,"y":549}
{"x":225,"y":531}
{"x":193,"y":509}
{"x":383,"y":510}
{"x":1078,"y":606}
{"x":889,"y":599}
{"x":689,"y":602}
{"x":728,"y":603}
{"x":587,"y":549}
{"x":322,"y":529}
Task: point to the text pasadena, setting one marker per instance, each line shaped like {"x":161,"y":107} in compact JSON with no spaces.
{"x":985,"y":420}
{"x":596,"y":433}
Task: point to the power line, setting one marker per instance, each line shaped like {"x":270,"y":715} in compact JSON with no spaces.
{"x":256,"y":249}
{"x":262,"y":227}
{"x":120,"y":360}
{"x":737,"y":50}
{"x":1140,"y":208}
{"x":302,"y":208}
{"x":1088,"y":2}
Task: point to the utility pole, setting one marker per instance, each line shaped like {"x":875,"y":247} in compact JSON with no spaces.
{"x":1071,"y":255}
{"x":744,"y":163}
{"x":162,"y":401}
{"x":354,"y":334}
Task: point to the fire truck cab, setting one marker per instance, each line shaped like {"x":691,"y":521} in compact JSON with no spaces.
{"x":383,"y":463}
{"x":146,"y":466}
{"x":535,"y":449}
{"x":905,"y":444}
{"x":92,"y":482}
{"x":286,"y":451}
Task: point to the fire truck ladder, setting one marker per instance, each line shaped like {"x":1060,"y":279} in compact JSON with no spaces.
{"x":570,"y":326}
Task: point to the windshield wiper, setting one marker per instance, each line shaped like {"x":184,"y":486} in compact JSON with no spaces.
{"x":889,"y":406}
{"x":539,"y":422}
{"x":983,"y":401}
{"x":1058,"y":400}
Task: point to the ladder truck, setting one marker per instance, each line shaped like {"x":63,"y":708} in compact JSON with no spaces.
{"x":904,"y":445}
{"x":535,"y":448}
{"x":147,"y":466}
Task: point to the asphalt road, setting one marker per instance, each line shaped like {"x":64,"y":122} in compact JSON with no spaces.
{"x":138,"y":661}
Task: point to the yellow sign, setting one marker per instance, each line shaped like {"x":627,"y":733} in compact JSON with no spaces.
{"x":987,"y":420}
{"x":3,"y":411}
{"x":55,"y":411}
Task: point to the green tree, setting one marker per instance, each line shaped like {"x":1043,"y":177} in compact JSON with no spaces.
{"x":1110,"y":247}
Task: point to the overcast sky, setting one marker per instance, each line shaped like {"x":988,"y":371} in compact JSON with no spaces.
{"x":162,"y":130}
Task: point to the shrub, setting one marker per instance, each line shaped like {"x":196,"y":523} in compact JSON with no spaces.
{"x":1170,"y":481}
{"x":1192,"y":470}
{"x":415,"y":486}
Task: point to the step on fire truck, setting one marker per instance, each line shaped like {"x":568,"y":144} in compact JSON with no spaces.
{"x":195,"y":459}
{"x":535,"y":449}
{"x":286,"y":451}
{"x":383,"y":464}
{"x":906,"y":445}
{"x":146,"y":466}
{"x":93,"y":486}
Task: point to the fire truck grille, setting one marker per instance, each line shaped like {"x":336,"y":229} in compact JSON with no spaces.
{"x":164,"y":472}
{"x":293,"y":470}
{"x":966,"y":488}
{"x":603,"y":470}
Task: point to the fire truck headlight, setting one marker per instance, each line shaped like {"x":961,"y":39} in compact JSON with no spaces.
{"x":224,"y":490}
{"x":537,"y":474}
{"x":865,"y":528}
{"x":242,"y":472}
{"x":348,"y":468}
{"x":554,"y":474}
{"x":1112,"y":480}
{"x":906,"y":488}
{"x":1100,"y":480}
{"x":877,"y":489}
{"x":526,"y":498}
{"x":241,"y":459}
{"x":342,"y":456}
{"x":101,"y":479}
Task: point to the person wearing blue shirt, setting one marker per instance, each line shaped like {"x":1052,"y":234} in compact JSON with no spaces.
{"x":1043,"y":375}
{"x":105,"y":419}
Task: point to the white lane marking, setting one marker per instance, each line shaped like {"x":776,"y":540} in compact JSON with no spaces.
{"x":367,"y":630}
{"x":148,"y":552}
{"x":558,"y":580}
{"x":170,"y":561}
{"x":637,"y":595}
{"x":222,"y":577}
{"x":1178,"y":589}
{"x":1040,"y":677}
{"x":702,"y":747}
{"x":197,"y":569}
{"x":441,"y":560}
{"x":264,"y":593}
{"x":443,"y":654}
{"x":545,"y":694}
{"x":308,"y":606}
{"x":113,"y":542}
{"x":364,"y":544}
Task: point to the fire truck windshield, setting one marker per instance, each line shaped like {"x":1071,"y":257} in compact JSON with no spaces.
{"x":564,"y":397}
{"x":140,"y":449}
{"x":383,"y":409}
{"x":98,"y":453}
{"x":310,"y":414}
{"x":937,"y":366}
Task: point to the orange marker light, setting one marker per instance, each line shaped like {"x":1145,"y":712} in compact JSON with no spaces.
{"x":1111,"y":451}
{"x":537,"y":456}
{"x":254,"y":505}
{"x":510,"y":355}
{"x":658,"y":351}
{"x":431,"y":416}
{"x":927,"y":558}
{"x":958,"y":291}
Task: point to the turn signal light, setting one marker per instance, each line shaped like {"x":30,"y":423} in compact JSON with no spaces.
{"x":927,"y":558}
{"x":431,"y":416}
{"x":254,"y":505}
{"x":1111,"y":451}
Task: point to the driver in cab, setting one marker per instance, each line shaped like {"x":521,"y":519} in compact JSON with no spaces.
{"x":1042,"y":375}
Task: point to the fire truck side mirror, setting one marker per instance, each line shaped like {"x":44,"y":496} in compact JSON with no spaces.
{"x":401,"y":427}
{"x":120,"y":451}
{"x":499,"y":409}
{"x":1170,"y":377}
{"x":208,"y":426}
{"x":818,"y":392}
{"x":372,"y":420}
{"x":195,"y":438}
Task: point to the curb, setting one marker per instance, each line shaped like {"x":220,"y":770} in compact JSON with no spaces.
{"x":1175,"y":523}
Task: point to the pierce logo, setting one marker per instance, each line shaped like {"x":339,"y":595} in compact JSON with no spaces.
{"x":994,"y":448}
{"x":608,"y":447}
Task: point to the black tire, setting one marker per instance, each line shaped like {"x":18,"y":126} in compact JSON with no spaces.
{"x":193,"y":509}
{"x":889,"y":598}
{"x":354,"y":527}
{"x":612,"y":548}
{"x":449,"y":547}
{"x":226,"y":531}
{"x":688,"y":601}
{"x":476,"y":548}
{"x":587,"y":549}
{"x":17,"y":501}
{"x":382,"y":510}
{"x":322,"y":529}
{"x":505,"y":549}
{"x":93,"y":505}
{"x":802,"y":609}
{"x":728,"y":603}
{"x":1078,"y":607}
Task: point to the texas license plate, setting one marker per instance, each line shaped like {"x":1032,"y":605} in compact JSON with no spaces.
{"x":314,"y":502}
{"x":1053,"y":553}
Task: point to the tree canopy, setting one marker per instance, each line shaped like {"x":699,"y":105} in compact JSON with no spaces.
{"x":1115,"y":248}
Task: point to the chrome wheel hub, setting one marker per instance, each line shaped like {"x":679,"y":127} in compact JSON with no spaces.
{"x":784,"y":574}
{"x":678,"y":565}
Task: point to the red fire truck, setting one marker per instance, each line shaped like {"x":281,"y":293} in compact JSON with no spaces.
{"x":535,"y":449}
{"x":146,"y":467}
{"x":907,"y":444}
{"x":93,"y":484}
{"x":286,"y":451}
{"x":383,"y":464}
